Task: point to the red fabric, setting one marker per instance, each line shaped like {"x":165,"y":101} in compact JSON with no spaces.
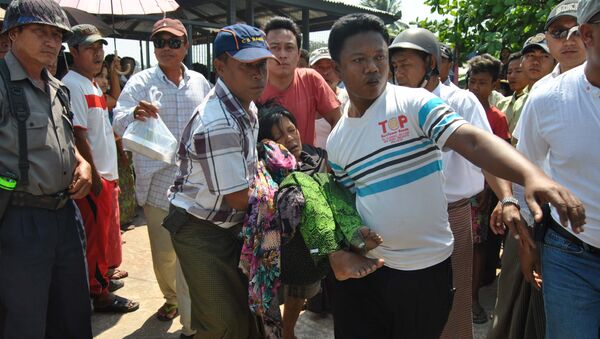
{"x":307,"y":96}
{"x":95,"y":211}
{"x":95,"y":101}
{"x":115,"y":255}
{"x":498,"y":122}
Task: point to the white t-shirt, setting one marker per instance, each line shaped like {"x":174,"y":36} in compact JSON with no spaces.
{"x":90,"y":113}
{"x":561,"y":120}
{"x":390,"y":157}
{"x":463,"y":179}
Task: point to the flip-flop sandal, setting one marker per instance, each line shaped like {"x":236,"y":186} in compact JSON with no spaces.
{"x":118,"y":274}
{"x":167,"y":312}
{"x":479,"y":315}
{"x":114,"y":285}
{"x":118,"y":305}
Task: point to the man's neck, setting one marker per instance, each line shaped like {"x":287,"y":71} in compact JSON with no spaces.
{"x":282,"y":83}
{"x":433,"y":83}
{"x":76,"y":69}
{"x":32,"y":69}
{"x":175,"y":74}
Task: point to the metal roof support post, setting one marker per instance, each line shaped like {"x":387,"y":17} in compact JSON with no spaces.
{"x":208,"y":58}
{"x":148,"y":54}
{"x":231,"y":16}
{"x":188,"y":57}
{"x":141,"y":56}
{"x":250,"y":12}
{"x":305,"y":28}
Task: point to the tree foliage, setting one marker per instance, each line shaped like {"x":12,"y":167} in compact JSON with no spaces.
{"x":391,"y":6}
{"x":485,"y":26}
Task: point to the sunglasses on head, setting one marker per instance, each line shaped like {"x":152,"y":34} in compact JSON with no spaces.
{"x":172,"y":42}
{"x":564,"y":33}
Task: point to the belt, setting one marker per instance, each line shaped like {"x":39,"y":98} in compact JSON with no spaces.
{"x":48,"y":202}
{"x":567,"y":235}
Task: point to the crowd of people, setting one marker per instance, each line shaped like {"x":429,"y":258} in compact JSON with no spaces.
{"x":358,"y":179}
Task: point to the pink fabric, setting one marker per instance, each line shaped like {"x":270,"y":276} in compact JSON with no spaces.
{"x":307,"y":97}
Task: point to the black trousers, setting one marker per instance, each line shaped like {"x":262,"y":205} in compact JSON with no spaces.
{"x":43,"y":285}
{"x":391,"y":303}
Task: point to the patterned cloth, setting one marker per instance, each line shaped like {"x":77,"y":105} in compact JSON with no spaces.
{"x":260,"y":257}
{"x":178,"y":102}
{"x":127,"y":202}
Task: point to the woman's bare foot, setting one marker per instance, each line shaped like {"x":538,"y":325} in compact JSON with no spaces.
{"x":370,"y":238}
{"x":346,"y":265}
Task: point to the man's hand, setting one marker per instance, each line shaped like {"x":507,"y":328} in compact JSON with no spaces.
{"x":496,"y":223}
{"x":82,"y":179}
{"x":96,"y":183}
{"x":530,"y":265}
{"x":145,"y":110}
{"x":541,"y":189}
{"x":115,"y":66}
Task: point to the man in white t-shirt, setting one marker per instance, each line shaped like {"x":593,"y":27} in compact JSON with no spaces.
{"x":560,"y":122}
{"x":387,"y":149}
{"x":95,"y":141}
{"x":415,"y":55}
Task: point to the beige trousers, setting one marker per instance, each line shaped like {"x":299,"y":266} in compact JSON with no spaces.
{"x":166,"y":267}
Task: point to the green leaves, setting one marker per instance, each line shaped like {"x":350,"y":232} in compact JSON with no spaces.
{"x":485,"y":26}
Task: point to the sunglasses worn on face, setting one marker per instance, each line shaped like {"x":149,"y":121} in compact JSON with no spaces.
{"x":173,"y":43}
{"x":564,"y":33}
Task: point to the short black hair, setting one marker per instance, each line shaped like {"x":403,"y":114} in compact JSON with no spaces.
{"x":514,"y":56}
{"x":281,"y":22}
{"x":350,"y":25}
{"x":485,"y":63}
{"x":270,"y":114}
{"x":304,"y":54}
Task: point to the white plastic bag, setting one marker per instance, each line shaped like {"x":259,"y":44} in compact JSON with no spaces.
{"x":152,"y":137}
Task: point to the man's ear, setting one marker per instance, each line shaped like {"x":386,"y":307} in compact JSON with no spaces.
{"x":587,"y":35}
{"x":219,"y":66}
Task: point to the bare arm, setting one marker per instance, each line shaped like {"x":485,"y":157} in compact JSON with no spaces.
{"x":82,"y":178}
{"x":85,"y":151}
{"x":499,"y":158}
{"x":333,"y":117}
{"x":238,"y":200}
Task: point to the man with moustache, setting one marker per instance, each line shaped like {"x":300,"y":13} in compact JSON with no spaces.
{"x":217,"y":162}
{"x":95,"y":140}
{"x":43,"y":286}
{"x":182,"y":91}
{"x":387,"y":149}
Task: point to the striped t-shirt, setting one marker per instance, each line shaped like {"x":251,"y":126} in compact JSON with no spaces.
{"x":390,"y":157}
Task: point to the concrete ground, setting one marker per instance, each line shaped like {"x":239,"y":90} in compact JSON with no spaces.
{"x":141,"y":286}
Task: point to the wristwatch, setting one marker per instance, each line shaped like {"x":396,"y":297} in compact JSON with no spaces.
{"x":510,"y":200}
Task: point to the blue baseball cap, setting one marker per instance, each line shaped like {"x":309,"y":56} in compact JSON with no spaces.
{"x":242,"y":42}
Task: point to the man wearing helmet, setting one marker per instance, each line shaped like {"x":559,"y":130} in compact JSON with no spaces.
{"x":43,"y":285}
{"x":416,"y":60}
